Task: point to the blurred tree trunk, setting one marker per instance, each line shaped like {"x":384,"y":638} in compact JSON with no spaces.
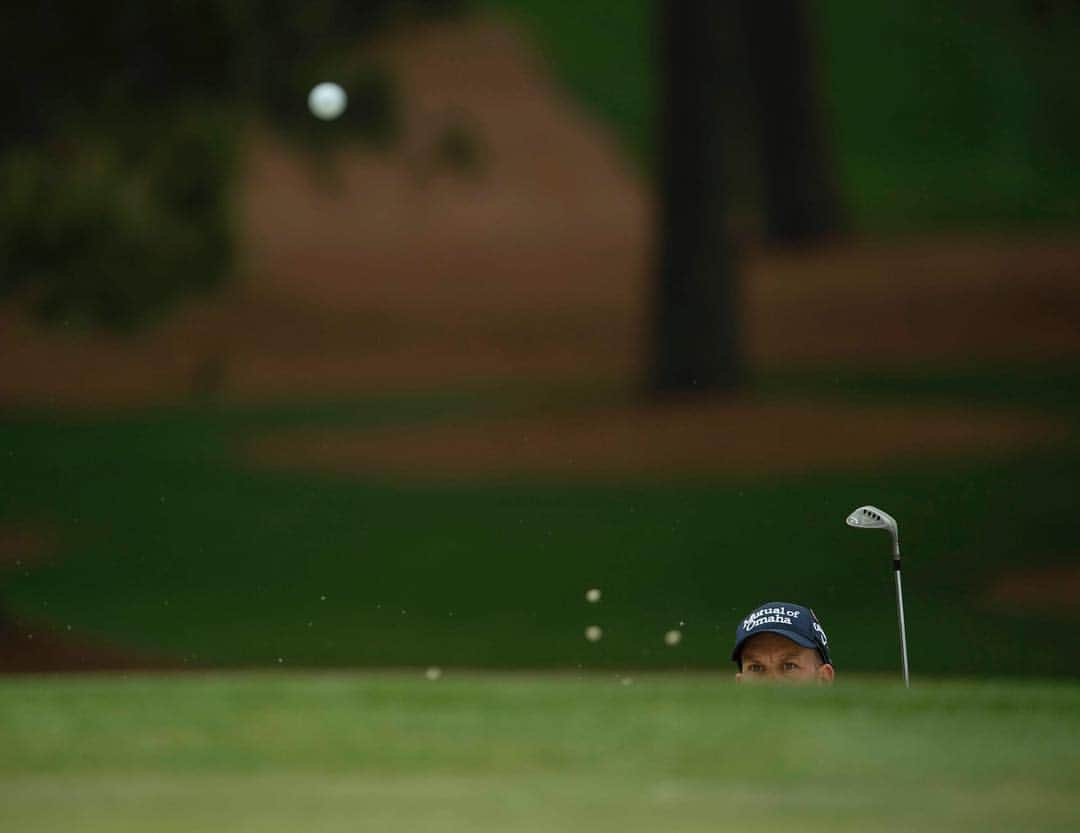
{"x":695,"y":338}
{"x":802,"y":202}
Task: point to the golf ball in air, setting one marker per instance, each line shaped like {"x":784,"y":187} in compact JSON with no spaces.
{"x":433,"y":673}
{"x":327,"y":100}
{"x":592,"y":596}
{"x":673,"y":637}
{"x":593,"y":633}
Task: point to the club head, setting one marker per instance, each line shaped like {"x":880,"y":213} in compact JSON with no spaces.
{"x":870,"y":517}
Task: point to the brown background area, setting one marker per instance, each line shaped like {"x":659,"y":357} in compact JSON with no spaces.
{"x":399,"y":275}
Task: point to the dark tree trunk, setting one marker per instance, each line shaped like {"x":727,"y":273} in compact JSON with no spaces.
{"x":802,"y":203}
{"x":695,"y":343}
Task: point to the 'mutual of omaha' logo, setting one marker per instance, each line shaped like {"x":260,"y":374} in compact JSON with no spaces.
{"x":770,"y":616}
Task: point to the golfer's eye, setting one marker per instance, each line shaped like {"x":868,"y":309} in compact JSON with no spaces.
{"x":791,"y":666}
{"x":755,"y":667}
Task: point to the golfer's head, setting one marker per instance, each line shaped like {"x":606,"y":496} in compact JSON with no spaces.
{"x":784,"y":643}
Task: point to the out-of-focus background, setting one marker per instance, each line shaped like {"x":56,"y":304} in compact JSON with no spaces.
{"x":636,"y":297}
{"x":409,"y":467}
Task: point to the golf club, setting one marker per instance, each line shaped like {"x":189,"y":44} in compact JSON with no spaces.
{"x":870,"y":517}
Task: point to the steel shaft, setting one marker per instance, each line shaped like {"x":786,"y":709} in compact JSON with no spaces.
{"x":903,"y":628}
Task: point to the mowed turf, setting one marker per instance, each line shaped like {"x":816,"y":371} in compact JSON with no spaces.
{"x":480,"y":752}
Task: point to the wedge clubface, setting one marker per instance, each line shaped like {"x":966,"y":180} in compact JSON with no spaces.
{"x":870,"y":517}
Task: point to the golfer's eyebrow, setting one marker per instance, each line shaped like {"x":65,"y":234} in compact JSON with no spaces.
{"x":794,"y":655}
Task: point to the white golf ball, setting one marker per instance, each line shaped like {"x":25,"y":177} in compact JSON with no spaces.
{"x":327,"y":100}
{"x":592,"y":596}
{"x":433,"y":673}
{"x":673,"y":637}
{"x":593,"y":633}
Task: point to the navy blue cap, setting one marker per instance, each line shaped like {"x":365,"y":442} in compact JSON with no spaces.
{"x":797,"y":623}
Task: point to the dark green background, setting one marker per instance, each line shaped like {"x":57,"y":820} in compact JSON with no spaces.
{"x":171,"y":545}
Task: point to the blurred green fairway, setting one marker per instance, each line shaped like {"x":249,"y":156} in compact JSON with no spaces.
{"x":168,"y":545}
{"x":395,"y":752}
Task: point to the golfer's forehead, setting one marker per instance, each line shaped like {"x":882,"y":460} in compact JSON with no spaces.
{"x":771,"y":644}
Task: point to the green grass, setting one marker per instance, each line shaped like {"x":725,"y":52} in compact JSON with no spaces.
{"x":332,"y":752}
{"x":169,"y":545}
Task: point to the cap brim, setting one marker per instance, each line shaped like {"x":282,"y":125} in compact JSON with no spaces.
{"x":797,"y":638}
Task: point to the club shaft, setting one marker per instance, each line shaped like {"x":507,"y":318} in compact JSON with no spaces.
{"x":903,"y":628}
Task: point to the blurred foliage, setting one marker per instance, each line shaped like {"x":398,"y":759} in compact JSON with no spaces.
{"x":943,"y":113}
{"x":86,"y":223}
{"x":124,"y":124}
{"x":949,"y":113}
